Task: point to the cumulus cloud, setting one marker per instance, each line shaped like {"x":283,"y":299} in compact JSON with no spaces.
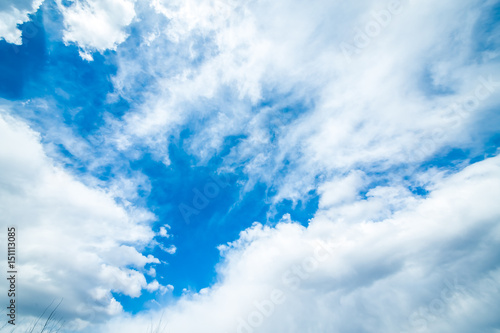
{"x":156,"y":286}
{"x":428,"y":267}
{"x":96,"y":25}
{"x":73,"y":240}
{"x":13,"y":13}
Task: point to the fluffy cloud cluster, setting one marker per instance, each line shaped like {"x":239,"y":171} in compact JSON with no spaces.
{"x":92,"y":25}
{"x":73,"y":241}
{"x":427,"y":267}
{"x":13,"y":13}
{"x":96,"y":25}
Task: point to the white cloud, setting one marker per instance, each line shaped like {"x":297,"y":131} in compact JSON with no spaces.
{"x":96,"y":25}
{"x":164,"y":231}
{"x":429,"y":267}
{"x":73,"y":240}
{"x":342,"y":190}
{"x":170,"y":250}
{"x":13,"y":13}
{"x":156,"y":286}
{"x":405,"y":96}
{"x":211,"y":68}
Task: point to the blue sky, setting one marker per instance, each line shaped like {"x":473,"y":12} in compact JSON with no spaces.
{"x":77,"y":90}
{"x":185,"y":159}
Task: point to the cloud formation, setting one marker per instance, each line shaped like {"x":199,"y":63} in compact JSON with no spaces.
{"x":399,"y":99}
{"x":96,"y":26}
{"x":75,"y":241}
{"x":363,"y":106}
{"x":427,"y":267}
{"x":13,"y":13}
